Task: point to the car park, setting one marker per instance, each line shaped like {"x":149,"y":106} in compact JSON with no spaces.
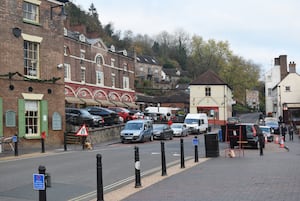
{"x":162,"y":131}
{"x":180,"y":129}
{"x":79,"y":116}
{"x":137,"y":131}
{"x":267,"y":131}
{"x":110,"y":117}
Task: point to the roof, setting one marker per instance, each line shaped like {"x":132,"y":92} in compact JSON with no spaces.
{"x":147,"y":59}
{"x":208,"y":78}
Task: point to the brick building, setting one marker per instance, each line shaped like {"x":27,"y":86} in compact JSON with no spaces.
{"x":32,"y":86}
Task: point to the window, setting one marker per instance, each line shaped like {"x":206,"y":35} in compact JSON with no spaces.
{"x":31,"y":52}
{"x":113,"y":80}
{"x":112,"y":62}
{"x":287,"y":88}
{"x":31,"y":117}
{"x":125,"y":67}
{"x":67,"y":69}
{"x":99,"y":61}
{"x":65,"y":50}
{"x":82,"y":54}
{"x":31,"y":11}
{"x":126,"y":82}
{"x":82,"y":74}
{"x":207,"y":91}
{"x":99,"y":78}
{"x":269,"y":91}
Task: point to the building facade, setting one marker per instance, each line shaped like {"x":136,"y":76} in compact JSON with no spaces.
{"x":211,"y":95}
{"x":32,"y":93}
{"x":97,"y":75}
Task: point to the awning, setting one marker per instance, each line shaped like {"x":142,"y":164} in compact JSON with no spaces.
{"x":89,"y":101}
{"x":105,"y":103}
{"x":119,"y":104}
{"x":75,"y":100}
{"x":131,"y":105}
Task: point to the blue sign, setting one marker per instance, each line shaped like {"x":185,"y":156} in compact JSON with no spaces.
{"x":14,"y":138}
{"x":195,"y":142}
{"x":38,"y":181}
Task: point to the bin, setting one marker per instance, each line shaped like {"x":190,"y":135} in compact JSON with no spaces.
{"x":211,"y":145}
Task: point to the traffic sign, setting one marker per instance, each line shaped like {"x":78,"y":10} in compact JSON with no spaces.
{"x":83,"y":131}
{"x":195,"y":141}
{"x":38,"y":181}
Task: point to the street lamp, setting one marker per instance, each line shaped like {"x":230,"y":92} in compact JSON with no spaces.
{"x":62,"y":13}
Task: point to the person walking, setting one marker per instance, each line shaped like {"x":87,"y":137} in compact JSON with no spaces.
{"x":291,"y":131}
{"x":283,"y":130}
{"x":261,"y":141}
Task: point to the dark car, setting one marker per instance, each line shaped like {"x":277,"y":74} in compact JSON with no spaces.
{"x":245,"y":132}
{"x":78,"y":116}
{"x":110,"y":117}
{"x":162,"y":131}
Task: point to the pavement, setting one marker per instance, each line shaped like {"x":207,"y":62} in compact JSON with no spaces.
{"x":275,"y":176}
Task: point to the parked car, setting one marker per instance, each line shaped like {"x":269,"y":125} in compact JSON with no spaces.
{"x":180,"y":129}
{"x":124,"y":113}
{"x":137,"y":131}
{"x":273,"y":123}
{"x":79,"y":116}
{"x":267,"y":131}
{"x":137,"y":114}
{"x":110,"y":117}
{"x":249,"y":134}
{"x":162,"y":131}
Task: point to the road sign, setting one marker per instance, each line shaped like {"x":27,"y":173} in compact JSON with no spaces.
{"x":82,"y":131}
{"x":195,"y":141}
{"x":38,"y":181}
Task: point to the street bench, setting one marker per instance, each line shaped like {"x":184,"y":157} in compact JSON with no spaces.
{"x":7,"y":141}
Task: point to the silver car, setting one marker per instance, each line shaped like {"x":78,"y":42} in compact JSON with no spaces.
{"x":180,"y":129}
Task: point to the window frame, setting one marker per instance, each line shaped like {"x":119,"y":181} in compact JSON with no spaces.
{"x":207,"y":91}
{"x":31,"y":11}
{"x":32,"y":56}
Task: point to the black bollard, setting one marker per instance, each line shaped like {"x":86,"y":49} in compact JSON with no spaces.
{"x":42,"y":193}
{"x":196,"y":148}
{"x":65,"y":141}
{"x":137,"y":166}
{"x":163,"y":160}
{"x":15,"y":139}
{"x":43,"y":145}
{"x":99,"y":178}
{"x":182,"y":154}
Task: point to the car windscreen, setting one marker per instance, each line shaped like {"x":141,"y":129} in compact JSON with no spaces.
{"x":176,"y":126}
{"x":133,"y":126}
{"x":191,"y":121}
{"x":272,"y":124}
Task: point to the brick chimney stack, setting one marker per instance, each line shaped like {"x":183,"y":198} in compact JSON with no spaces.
{"x":292,"y":67}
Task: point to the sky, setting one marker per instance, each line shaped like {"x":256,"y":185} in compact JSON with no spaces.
{"x":257,"y":30}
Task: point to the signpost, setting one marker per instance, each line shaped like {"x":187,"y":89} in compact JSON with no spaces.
{"x":38,"y":182}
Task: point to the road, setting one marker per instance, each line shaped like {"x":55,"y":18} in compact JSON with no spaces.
{"x":73,"y":173}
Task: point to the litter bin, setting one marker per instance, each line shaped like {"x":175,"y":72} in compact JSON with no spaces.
{"x":211,"y":145}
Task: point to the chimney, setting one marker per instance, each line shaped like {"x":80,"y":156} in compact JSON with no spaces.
{"x":292,"y":67}
{"x":283,"y":66}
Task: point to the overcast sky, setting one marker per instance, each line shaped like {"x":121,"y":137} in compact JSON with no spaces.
{"x":257,"y":30}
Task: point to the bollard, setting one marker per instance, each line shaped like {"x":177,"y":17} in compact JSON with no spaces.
{"x":137,"y":166}
{"x":99,"y":178}
{"x":65,"y":141}
{"x":15,"y":140}
{"x":182,"y":154}
{"x":163,"y":160}
{"x":43,"y":136}
{"x":42,"y":193}
{"x":196,"y":142}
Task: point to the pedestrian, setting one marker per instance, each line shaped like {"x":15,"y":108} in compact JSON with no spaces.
{"x":291,"y":131}
{"x":261,"y":141}
{"x":283,"y":131}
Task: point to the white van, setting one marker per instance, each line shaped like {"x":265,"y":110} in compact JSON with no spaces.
{"x":197,"y":123}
